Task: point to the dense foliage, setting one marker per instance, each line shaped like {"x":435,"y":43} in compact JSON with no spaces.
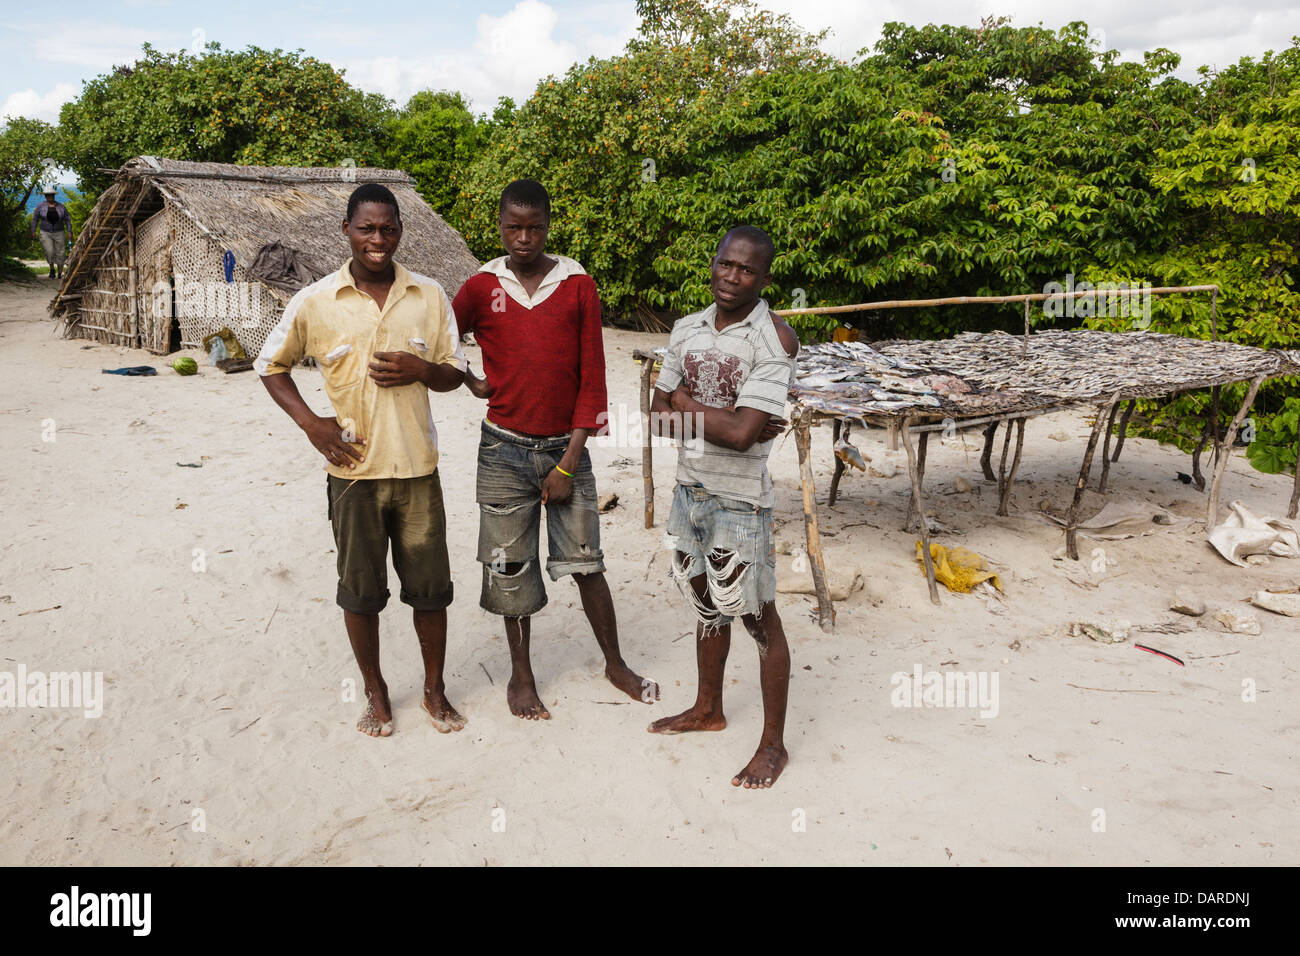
{"x":946,"y":160}
{"x":253,"y":107}
{"x":25,"y":147}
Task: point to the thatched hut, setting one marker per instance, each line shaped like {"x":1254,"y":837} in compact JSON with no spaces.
{"x":174,"y":251}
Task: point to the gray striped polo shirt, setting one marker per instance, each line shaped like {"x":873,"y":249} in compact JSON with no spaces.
{"x":744,"y":364}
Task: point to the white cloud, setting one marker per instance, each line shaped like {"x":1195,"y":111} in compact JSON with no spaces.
{"x":508,"y":56}
{"x":42,"y":106}
{"x":518,"y":48}
{"x":1203,"y":31}
{"x":96,"y":46}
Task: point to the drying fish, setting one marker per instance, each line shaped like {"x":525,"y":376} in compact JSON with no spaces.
{"x":820,"y":379}
{"x":946,"y":384}
{"x":850,"y":455}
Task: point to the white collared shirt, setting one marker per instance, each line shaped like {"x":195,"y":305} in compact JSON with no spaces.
{"x":563,"y":268}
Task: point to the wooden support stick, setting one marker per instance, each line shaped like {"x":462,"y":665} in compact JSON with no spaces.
{"x":1214,"y":422}
{"x":1072,"y":518}
{"x":1198,"y":480}
{"x":134,"y":308}
{"x":920,"y":510}
{"x":1212,"y":512}
{"x":802,"y":441}
{"x":1024,"y":352}
{"x":1105,"y":449}
{"x":921,"y":446}
{"x":1295,"y":489}
{"x":839,"y":465}
{"x":926,"y":558}
{"x":1015,"y":466}
{"x":992,"y":299}
{"x":989,"y":434}
{"x":647,"y":446}
{"x":1123,"y":428}
{"x":1002,"y":462}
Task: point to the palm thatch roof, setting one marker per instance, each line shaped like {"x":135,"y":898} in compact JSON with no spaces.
{"x":244,"y":208}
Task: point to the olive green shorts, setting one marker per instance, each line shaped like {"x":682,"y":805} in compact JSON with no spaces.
{"x":367,"y":513}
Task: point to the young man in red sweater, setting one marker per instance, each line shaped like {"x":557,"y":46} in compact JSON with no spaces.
{"x":537,"y":319}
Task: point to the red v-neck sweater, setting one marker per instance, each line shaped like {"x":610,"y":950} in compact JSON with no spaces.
{"x":546,"y":365}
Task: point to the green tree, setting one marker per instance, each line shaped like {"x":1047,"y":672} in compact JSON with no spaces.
{"x":26,"y":147}
{"x":1235,"y":183}
{"x":434,"y":137}
{"x":598,"y":135}
{"x":251,"y":107}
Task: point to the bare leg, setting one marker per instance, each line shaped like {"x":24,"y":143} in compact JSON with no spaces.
{"x":431,"y":628}
{"x":598,"y":605}
{"x":711,"y":648}
{"x":363,"y":632}
{"x":774,"y":674}
{"x":521,"y":691}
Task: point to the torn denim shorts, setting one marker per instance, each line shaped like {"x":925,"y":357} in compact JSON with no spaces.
{"x":735,"y":534}
{"x":511,"y":468}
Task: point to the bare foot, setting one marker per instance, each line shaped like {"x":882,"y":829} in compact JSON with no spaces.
{"x":444,"y":716}
{"x":377,"y":721}
{"x":634,"y":685}
{"x":761,"y":772}
{"x":687,"y":721}
{"x":522,"y":697}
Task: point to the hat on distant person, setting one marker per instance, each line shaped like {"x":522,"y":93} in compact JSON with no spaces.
{"x":50,"y":190}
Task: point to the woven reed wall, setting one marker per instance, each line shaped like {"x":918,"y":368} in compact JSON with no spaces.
{"x":153,"y":283}
{"x":205,"y":301}
{"x":105,"y":310}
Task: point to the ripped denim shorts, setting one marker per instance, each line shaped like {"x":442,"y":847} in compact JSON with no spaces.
{"x":511,"y":468}
{"x":716,"y":536}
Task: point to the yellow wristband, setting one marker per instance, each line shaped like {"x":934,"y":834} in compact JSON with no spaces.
{"x":563,"y":472}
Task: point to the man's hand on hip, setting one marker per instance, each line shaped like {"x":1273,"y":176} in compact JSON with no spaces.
{"x":334,"y":441}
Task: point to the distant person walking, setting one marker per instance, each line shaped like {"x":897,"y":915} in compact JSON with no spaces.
{"x":56,"y":231}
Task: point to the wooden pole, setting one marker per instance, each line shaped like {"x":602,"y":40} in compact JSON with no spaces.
{"x":1025,"y":351}
{"x":647,"y":445}
{"x":803,"y":441}
{"x":1105,"y":449}
{"x":1214,"y":421}
{"x":1002,"y":462}
{"x":921,"y":445}
{"x":1005,"y":498}
{"x":130,"y":283}
{"x":989,"y":434}
{"x":1212,"y":512}
{"x":920,"y":510}
{"x":994,"y":299}
{"x":1072,"y":517}
{"x":1123,"y":428}
{"x":1198,"y":480}
{"x":1295,"y":485}
{"x":839,"y":465}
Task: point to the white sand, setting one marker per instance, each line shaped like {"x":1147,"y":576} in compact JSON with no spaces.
{"x":223,"y":688}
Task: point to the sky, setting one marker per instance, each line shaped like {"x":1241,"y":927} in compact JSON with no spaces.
{"x":495,"y":48}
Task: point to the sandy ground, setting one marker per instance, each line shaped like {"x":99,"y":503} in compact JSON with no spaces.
{"x":223,"y":687}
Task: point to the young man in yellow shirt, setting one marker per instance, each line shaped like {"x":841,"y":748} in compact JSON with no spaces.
{"x":383,"y":338}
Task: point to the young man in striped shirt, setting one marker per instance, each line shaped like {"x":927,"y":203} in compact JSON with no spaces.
{"x":729,"y":369}
{"x":537,"y":319}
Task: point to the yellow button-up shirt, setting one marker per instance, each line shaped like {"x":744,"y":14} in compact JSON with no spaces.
{"x":342,"y":327}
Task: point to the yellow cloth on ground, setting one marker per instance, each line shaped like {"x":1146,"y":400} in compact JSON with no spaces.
{"x":957,"y":569}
